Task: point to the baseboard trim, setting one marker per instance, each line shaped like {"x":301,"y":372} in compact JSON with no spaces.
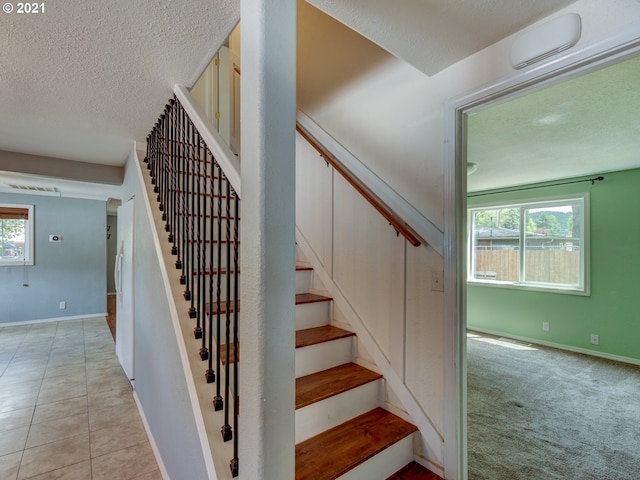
{"x":152,"y":441}
{"x":559,"y":346}
{"x":55,"y":319}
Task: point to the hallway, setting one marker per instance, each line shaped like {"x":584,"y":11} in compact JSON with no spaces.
{"x":66,"y":407}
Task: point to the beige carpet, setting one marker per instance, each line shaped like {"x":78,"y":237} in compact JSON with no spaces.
{"x":540,"y":413}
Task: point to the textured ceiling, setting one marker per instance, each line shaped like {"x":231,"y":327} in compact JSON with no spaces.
{"x":583,"y":126}
{"x":84,"y":79}
{"x":434,"y":34}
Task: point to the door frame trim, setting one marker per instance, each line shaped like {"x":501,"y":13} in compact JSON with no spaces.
{"x":573,"y":62}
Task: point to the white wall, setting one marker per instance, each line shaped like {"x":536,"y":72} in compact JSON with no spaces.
{"x":160,"y":379}
{"x":384,"y":278}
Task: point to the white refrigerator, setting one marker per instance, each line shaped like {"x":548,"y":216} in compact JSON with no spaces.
{"x":124,"y":289}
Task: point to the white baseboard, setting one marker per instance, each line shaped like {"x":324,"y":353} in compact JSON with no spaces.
{"x":152,"y":442}
{"x":56,"y":319}
{"x":559,"y":346}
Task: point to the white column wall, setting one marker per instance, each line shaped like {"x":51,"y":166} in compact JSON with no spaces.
{"x":267,"y":329}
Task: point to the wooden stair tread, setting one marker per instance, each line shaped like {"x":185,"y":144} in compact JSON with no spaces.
{"x":342,"y":448}
{"x":327,"y":383}
{"x":301,"y":298}
{"x":305,"y":338}
{"x":414,"y":471}
{"x":315,"y":335}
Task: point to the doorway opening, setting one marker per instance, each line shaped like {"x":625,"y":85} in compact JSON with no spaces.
{"x":513,"y":176}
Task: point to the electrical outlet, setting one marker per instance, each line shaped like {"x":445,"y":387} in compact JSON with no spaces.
{"x":437,"y":280}
{"x":545,"y":326}
{"x":595,"y":339}
{"x":63,"y":305}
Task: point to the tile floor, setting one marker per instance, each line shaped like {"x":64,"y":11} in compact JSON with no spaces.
{"x":66,"y":407}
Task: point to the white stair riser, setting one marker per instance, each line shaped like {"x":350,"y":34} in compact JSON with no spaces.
{"x":303,"y":280}
{"x":385,"y":463}
{"x":309,"y":315}
{"x":323,"y":356}
{"x":330,"y":412}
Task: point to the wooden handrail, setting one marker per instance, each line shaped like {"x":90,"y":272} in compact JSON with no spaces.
{"x":400,"y":226}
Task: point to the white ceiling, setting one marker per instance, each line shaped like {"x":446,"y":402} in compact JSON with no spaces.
{"x":434,"y":34}
{"x":580,"y":127}
{"x":84,"y":79}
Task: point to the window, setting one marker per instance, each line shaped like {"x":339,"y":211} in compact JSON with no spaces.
{"x":537,"y":245}
{"x":16,"y":234}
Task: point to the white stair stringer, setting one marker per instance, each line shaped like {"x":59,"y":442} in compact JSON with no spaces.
{"x":216,"y":452}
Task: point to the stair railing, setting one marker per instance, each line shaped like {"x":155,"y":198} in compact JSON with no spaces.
{"x":200,"y":208}
{"x":401,"y":227}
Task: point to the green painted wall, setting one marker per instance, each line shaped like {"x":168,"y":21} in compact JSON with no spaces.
{"x":613,"y":309}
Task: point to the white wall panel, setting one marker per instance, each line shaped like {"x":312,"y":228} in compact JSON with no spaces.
{"x":314,"y":201}
{"x":368,"y":265}
{"x":425,"y":332}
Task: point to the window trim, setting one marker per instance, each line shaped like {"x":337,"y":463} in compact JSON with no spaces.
{"x":29,"y":238}
{"x":583,"y":289}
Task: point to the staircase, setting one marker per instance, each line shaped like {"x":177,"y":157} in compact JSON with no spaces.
{"x":341,"y":431}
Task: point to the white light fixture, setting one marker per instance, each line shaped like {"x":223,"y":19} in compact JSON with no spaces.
{"x":546,"y":40}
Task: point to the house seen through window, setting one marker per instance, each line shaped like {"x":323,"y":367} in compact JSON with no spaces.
{"x":16,"y":227}
{"x":541,"y":244}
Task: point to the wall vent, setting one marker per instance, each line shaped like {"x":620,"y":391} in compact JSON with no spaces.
{"x":34,"y":188}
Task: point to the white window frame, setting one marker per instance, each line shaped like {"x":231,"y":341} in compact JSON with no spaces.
{"x":583,"y":288}
{"x":29,"y":238}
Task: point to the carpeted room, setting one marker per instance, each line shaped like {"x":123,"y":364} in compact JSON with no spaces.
{"x":567,"y":406}
{"x":544,"y":413}
{"x":536,"y":412}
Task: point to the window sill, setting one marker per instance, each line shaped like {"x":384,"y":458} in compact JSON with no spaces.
{"x":584,"y":292}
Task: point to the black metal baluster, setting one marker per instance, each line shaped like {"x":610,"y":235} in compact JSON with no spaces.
{"x":227,"y":433}
{"x":201,"y":158}
{"x":191,"y":187}
{"x":180,"y":264}
{"x":162,"y":186}
{"x":189,"y":203}
{"x":236,"y":340}
{"x":171,"y":207}
{"x":218,"y":402}
{"x":175,"y":230}
{"x":210,"y":374}
{"x":195,"y":195}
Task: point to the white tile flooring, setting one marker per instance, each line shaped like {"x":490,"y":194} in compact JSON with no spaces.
{"x":66,"y":407}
